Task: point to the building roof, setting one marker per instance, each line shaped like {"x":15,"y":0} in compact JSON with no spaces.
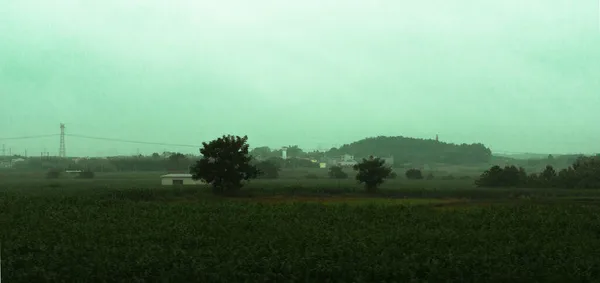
{"x":177,"y":176}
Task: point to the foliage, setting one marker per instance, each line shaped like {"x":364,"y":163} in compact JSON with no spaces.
{"x":509,"y":176}
{"x":584,"y":173}
{"x":261,"y":152}
{"x":268,"y":169}
{"x":53,"y":173}
{"x":412,"y":150}
{"x":414,"y":174}
{"x":337,"y":172}
{"x":176,"y":162}
{"x":64,"y":239}
{"x":430,"y":176}
{"x":225,"y":163}
{"x":372,"y":172}
{"x":86,"y":174}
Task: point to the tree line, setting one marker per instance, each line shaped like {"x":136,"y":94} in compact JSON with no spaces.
{"x":583,"y":173}
{"x":164,"y":162}
{"x":226,"y":163}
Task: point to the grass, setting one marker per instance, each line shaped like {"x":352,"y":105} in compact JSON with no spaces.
{"x":127,"y":228}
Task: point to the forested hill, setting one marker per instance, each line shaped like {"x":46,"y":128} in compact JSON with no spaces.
{"x":411,"y":150}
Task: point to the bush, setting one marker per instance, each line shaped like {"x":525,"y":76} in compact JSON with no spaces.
{"x":53,"y":173}
{"x":393,"y":175}
{"x":414,"y":174}
{"x":268,"y":169}
{"x":509,"y":176}
{"x":430,"y":176}
{"x":336,"y":172}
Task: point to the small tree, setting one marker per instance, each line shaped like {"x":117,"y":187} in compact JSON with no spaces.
{"x":414,"y":174}
{"x":372,"y":173}
{"x":336,"y":172}
{"x":225,"y":163}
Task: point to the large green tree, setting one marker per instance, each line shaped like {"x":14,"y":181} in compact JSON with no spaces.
{"x":372,"y":172}
{"x":225,"y":163}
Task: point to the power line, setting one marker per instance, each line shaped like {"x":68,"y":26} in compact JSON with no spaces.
{"x":131,"y":141}
{"x":30,"y":137}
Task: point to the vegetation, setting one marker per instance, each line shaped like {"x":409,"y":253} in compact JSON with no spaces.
{"x":87,"y":174}
{"x":296,"y":224}
{"x":414,"y":174}
{"x":402,"y":149}
{"x":225,"y":163}
{"x":411,"y":150}
{"x":133,"y":235}
{"x":337,"y":172}
{"x":584,"y":173}
{"x":372,"y":172}
{"x":268,"y":169}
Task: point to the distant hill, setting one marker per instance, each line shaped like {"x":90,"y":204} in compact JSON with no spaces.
{"x":413,"y":150}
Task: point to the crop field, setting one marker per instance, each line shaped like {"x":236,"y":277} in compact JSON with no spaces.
{"x":126,"y":228}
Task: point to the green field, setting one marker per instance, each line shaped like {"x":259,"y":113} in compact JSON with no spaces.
{"x":127,"y":228}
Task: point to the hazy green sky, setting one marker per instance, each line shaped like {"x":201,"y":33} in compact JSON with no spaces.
{"x":516,"y":75}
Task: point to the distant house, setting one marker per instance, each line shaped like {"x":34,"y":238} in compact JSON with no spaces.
{"x":345,"y":160}
{"x":179,"y":179}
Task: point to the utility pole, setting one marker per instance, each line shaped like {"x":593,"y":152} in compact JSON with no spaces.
{"x":62,"y":152}
{"x":3,"y":150}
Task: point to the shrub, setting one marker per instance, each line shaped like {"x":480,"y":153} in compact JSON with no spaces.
{"x":509,"y":176}
{"x":268,"y":169}
{"x":336,"y":172}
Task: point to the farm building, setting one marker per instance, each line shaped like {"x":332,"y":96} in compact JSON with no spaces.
{"x":179,"y":179}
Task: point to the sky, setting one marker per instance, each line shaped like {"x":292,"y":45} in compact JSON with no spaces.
{"x":517,"y":76}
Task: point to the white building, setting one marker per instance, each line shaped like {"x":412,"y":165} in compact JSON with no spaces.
{"x":179,"y":179}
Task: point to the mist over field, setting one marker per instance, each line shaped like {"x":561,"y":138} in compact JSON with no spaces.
{"x":516,"y":76}
{"x":299,"y":141}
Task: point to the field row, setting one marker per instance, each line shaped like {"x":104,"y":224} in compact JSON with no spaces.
{"x":79,"y":239}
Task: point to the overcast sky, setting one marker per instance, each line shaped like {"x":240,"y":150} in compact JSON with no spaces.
{"x":520,"y":76}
